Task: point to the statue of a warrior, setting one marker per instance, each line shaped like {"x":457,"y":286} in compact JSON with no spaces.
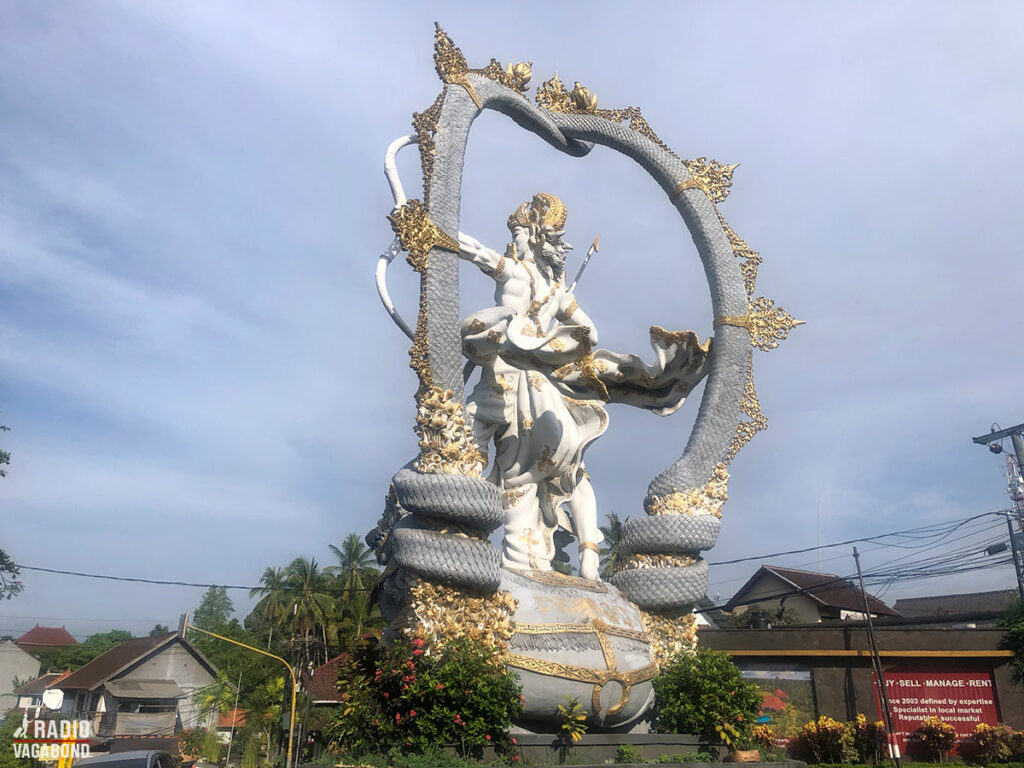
{"x":543,"y":386}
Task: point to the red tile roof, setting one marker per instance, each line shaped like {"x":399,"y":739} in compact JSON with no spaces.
{"x":45,"y":637}
{"x":323,"y":684}
{"x":235,"y":718}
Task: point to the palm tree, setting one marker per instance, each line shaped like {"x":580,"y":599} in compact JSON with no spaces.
{"x":612,"y":538}
{"x":357,"y":567}
{"x":311,"y":604}
{"x":273,"y":605}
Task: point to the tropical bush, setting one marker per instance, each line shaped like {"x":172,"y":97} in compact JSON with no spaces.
{"x":993,"y":743}
{"x":869,"y":739}
{"x":211,"y":747}
{"x":703,"y":693}
{"x":417,"y":698}
{"x":190,"y":741}
{"x":826,"y":739}
{"x":627,"y":753}
{"x":938,"y":737}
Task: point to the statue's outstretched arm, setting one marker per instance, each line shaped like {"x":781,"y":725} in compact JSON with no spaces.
{"x":490,"y":261}
{"x":570,"y":313}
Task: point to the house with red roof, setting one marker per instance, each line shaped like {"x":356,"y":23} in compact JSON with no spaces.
{"x":39,"y":638}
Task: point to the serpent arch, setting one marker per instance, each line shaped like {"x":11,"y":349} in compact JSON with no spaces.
{"x":439,"y":510}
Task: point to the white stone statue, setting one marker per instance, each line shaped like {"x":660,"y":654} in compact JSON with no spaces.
{"x":542,"y":387}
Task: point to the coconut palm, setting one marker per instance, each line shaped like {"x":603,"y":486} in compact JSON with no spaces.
{"x":312,"y":606}
{"x":612,"y":538}
{"x":273,"y":604}
{"x":357,"y":567}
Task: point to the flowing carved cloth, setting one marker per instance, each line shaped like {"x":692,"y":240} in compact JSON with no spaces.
{"x":540,"y":397}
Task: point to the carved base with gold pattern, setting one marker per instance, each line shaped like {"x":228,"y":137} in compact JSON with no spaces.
{"x":574,"y":637}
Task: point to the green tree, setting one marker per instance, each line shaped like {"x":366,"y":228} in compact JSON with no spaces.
{"x":760,"y":616}
{"x":1012,"y":624}
{"x":5,"y":456}
{"x":159,"y":629}
{"x":274,"y":602}
{"x":75,"y":656}
{"x":357,"y":566}
{"x":312,"y":609}
{"x":10,"y":584}
{"x":214,"y":611}
{"x":703,"y":693}
{"x":7,"y":758}
{"x":612,"y":533}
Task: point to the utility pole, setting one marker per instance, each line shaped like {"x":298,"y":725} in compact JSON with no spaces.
{"x":1014,"y":463}
{"x":234,"y":719}
{"x":876,"y":662}
{"x":184,"y":626}
{"x":1015,"y":548}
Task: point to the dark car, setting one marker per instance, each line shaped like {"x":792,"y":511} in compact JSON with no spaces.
{"x":139,"y":758}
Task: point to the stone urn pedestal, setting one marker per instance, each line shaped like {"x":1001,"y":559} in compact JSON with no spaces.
{"x":581,"y":639}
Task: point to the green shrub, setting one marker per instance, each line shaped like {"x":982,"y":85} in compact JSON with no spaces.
{"x":418,"y":699}
{"x":938,"y":737}
{"x":702,"y":693}
{"x":211,"y":747}
{"x":826,"y":739}
{"x":869,"y":739}
{"x":993,"y":743}
{"x":693,"y":757}
{"x":7,"y":758}
{"x":190,"y":741}
{"x":251,"y":753}
{"x":627,"y":753}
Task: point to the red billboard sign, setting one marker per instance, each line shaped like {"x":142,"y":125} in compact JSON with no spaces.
{"x":962,"y":699}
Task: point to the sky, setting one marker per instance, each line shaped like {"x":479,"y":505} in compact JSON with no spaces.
{"x":199,"y":378}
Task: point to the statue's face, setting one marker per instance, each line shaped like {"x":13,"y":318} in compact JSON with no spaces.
{"x":552,"y":250}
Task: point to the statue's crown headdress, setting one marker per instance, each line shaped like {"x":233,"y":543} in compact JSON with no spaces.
{"x":545,"y":209}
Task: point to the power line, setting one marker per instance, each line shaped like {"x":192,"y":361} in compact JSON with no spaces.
{"x":848,"y":542}
{"x":172,"y":583}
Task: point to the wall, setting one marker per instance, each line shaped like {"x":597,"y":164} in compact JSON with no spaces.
{"x":838,"y":656}
{"x":175,"y":662}
{"x":14,"y":663}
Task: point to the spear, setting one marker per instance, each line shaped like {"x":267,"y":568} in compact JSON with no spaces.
{"x":594,"y":248}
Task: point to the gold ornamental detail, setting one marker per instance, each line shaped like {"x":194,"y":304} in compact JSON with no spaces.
{"x":670,"y":633}
{"x":437,"y":613}
{"x":556,"y":579}
{"x":750,"y":259}
{"x":425,"y":124}
{"x":710,"y":176}
{"x":596,"y":677}
{"x":707,"y":500}
{"x":514,"y":76}
{"x":418,"y":234}
{"x":766,"y":323}
{"x":640,"y":562}
{"x":451,"y":65}
{"x":580,"y":629}
{"x":749,"y":405}
{"x":553,"y":96}
{"x":446,"y":443}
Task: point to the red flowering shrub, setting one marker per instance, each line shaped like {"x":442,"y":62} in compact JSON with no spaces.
{"x":418,"y":698}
